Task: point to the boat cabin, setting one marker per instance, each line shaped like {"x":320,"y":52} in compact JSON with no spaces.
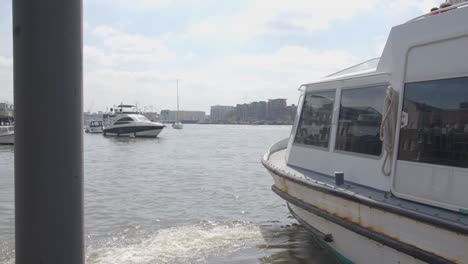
{"x":398,"y":123}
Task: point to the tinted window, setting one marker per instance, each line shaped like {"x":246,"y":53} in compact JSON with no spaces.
{"x":437,"y":128}
{"x":124,"y":120}
{"x":315,"y":121}
{"x":359,"y":121}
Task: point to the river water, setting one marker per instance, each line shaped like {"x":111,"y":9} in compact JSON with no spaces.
{"x":196,"y":195}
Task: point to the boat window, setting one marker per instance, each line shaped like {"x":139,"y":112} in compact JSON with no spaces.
{"x":437,"y":129}
{"x":124,"y":120}
{"x":359,"y":120}
{"x":141,"y":118}
{"x":315,"y":121}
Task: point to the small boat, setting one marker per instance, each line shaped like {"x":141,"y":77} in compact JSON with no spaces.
{"x":7,"y":135}
{"x":126,"y":121}
{"x":177,"y":124}
{"x":376,"y":165}
{"x":94,"y":127}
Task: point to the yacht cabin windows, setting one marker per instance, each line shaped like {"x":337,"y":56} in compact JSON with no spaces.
{"x":437,"y":129}
{"x":315,"y":120}
{"x":359,"y":120}
{"x":124,"y":120}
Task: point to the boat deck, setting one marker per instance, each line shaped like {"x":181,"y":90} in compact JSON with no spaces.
{"x":449,"y":219}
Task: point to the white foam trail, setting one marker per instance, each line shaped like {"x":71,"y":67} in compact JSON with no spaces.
{"x":182,"y":244}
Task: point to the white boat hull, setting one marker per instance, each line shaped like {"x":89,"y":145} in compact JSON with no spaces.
{"x":364,"y":229}
{"x":440,"y":244}
{"x":177,"y":126}
{"x":146,"y":133}
{"x":94,"y":130}
{"x":8,"y":139}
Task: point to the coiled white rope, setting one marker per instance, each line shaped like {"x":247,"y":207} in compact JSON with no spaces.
{"x":388,"y":127}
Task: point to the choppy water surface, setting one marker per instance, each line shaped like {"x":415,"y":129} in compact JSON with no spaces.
{"x":197,"y":195}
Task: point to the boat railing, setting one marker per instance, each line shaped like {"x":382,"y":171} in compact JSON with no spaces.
{"x":438,"y":11}
{"x":282,"y":144}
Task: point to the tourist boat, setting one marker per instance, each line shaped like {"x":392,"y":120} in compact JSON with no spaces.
{"x":126,"y":121}
{"x":94,"y":127}
{"x":376,"y":166}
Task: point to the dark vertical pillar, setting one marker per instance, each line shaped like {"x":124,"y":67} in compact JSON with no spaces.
{"x":47,"y":38}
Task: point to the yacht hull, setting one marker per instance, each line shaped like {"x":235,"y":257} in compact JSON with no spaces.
{"x":136,"y":131}
{"x":93,"y":130}
{"x":8,"y":139}
{"x":362,"y":230}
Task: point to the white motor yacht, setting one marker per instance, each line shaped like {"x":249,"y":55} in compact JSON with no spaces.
{"x":376,"y":166}
{"x":125,"y":121}
{"x":94,"y":127}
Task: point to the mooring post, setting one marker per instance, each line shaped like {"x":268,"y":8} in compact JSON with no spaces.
{"x":47,"y":48}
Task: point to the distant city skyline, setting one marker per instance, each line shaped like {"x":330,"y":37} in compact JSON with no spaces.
{"x":238,"y":52}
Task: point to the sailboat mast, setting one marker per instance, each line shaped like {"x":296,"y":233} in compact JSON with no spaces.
{"x":177,"y":113}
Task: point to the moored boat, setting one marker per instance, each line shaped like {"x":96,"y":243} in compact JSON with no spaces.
{"x":177,"y":124}
{"x":126,"y":121}
{"x":94,"y":127}
{"x":377,"y":161}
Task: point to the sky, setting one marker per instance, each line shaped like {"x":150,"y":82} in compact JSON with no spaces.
{"x":222,"y":52}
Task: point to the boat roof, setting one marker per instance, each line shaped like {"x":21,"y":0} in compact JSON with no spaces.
{"x":126,"y":106}
{"x":358,"y":68}
{"x":373,"y":66}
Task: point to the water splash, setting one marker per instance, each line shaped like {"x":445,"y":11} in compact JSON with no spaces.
{"x":194,"y":243}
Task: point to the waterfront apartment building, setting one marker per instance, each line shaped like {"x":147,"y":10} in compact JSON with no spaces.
{"x":273,"y":111}
{"x":276,"y":109}
{"x":221,"y":113}
{"x":255,"y":111}
{"x":184,"y":116}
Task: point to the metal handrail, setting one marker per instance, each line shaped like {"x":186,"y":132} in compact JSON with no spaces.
{"x":448,"y":8}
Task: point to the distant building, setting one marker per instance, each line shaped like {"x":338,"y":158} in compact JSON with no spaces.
{"x":242,"y":112}
{"x":184,"y":116}
{"x":221,"y":113}
{"x":276,"y":110}
{"x":252,"y":112}
{"x":292,"y":111}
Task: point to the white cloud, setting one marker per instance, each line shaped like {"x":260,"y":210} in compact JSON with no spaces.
{"x":266,"y":16}
{"x":403,"y":5}
{"x":189,"y":56}
{"x":226,"y":80}
{"x":124,"y":49}
{"x":294,"y":59}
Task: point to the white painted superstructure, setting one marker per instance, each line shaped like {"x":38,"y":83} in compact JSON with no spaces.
{"x":405,"y":195}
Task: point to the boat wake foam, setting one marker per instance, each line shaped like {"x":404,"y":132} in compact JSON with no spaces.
{"x":186,"y":244}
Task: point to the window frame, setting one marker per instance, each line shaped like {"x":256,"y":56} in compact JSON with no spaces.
{"x":397,"y":148}
{"x":327,"y":149}
{"x":351,"y":153}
